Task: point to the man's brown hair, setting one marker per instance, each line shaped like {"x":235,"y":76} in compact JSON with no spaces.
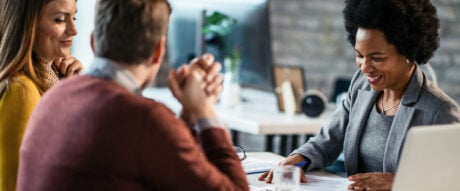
{"x":128,"y":31}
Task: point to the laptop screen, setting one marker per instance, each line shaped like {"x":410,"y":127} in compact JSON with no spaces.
{"x":430,"y":159}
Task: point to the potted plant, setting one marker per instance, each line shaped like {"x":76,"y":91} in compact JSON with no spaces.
{"x":216,"y":28}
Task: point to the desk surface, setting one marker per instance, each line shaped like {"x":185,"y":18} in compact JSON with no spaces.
{"x":257,"y":114}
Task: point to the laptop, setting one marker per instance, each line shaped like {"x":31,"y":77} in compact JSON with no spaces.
{"x":430,"y":159}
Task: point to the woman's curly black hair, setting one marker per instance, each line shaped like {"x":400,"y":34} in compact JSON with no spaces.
{"x":410,"y":25}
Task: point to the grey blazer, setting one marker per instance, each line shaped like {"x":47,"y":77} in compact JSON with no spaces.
{"x":422,"y":103}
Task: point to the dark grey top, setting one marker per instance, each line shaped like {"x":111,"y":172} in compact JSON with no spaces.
{"x":373,"y":142}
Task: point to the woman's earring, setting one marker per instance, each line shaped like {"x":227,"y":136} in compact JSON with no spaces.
{"x":407,"y":61}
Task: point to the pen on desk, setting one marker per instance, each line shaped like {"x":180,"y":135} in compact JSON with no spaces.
{"x":300,"y":164}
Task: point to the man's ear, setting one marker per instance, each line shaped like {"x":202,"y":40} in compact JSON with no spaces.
{"x":92,"y":42}
{"x":160,"y":50}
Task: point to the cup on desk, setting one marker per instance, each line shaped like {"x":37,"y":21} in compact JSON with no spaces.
{"x":286,"y":178}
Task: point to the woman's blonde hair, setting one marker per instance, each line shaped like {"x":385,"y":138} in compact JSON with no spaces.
{"x":18,"y":28}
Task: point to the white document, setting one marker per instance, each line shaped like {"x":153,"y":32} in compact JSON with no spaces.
{"x":254,"y":165}
{"x":319,"y":183}
{"x":255,"y":188}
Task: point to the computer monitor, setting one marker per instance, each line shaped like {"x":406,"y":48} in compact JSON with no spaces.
{"x":251,"y":35}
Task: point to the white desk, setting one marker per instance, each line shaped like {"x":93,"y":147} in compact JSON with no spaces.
{"x":257,"y":114}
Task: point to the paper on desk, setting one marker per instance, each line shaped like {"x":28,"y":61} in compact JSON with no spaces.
{"x":255,"y":188}
{"x":320,"y":183}
{"x":254,"y":165}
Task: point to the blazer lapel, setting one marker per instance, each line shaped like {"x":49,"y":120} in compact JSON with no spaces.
{"x":402,"y":121}
{"x":396,"y":137}
{"x":360,"y":111}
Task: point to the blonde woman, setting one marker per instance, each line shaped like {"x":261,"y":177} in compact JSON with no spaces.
{"x":35,"y":41}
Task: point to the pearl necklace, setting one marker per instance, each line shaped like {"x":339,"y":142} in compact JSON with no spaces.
{"x":385,"y":110}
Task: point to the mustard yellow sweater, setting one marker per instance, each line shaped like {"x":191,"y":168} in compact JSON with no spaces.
{"x":16,"y":105}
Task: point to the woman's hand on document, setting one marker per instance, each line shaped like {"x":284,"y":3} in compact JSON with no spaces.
{"x":371,"y":181}
{"x":291,"y":160}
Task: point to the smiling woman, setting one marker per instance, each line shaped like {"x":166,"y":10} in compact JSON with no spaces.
{"x":35,"y":41}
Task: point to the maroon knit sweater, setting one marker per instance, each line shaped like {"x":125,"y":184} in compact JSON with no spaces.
{"x":91,"y":134}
